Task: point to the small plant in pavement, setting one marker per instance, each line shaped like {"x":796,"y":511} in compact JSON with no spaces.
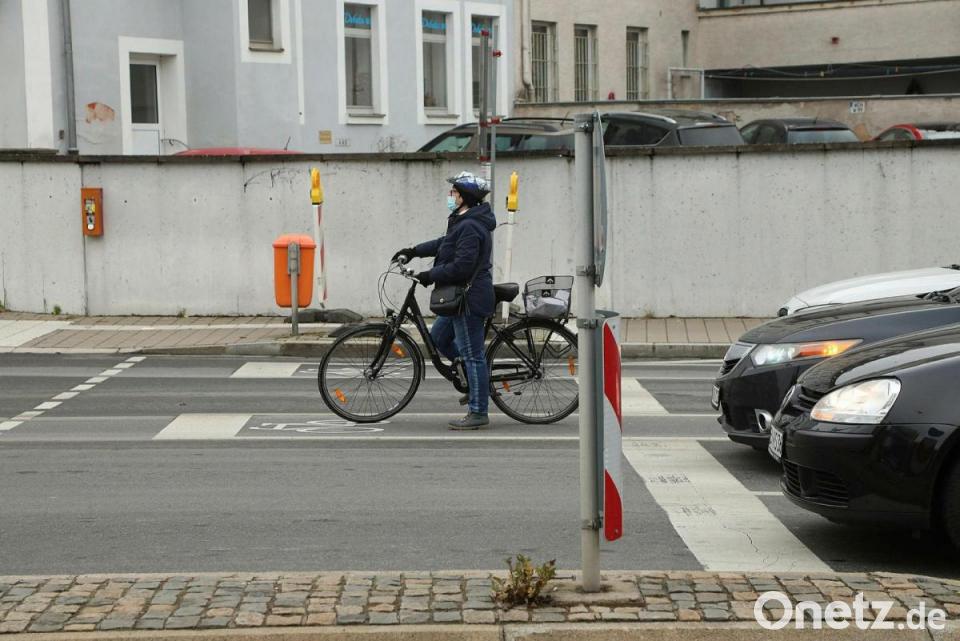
{"x":525,"y":582}
{"x":56,"y":310}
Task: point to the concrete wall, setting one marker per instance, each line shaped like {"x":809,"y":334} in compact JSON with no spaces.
{"x":868,"y":30}
{"x":726,"y":233}
{"x":13,"y":101}
{"x":879,"y":112}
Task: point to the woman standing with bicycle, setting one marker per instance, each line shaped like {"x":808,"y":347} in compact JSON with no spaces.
{"x":463,"y":259}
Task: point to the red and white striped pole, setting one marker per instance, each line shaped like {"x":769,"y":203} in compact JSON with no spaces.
{"x":612,"y":421}
{"x":316,"y":197}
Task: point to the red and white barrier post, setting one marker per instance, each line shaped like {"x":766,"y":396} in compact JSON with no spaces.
{"x":610,"y":423}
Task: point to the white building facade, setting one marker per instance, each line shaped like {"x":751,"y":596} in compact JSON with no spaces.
{"x":161,"y":76}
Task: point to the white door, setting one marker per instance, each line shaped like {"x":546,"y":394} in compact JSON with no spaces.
{"x":145,"y":114}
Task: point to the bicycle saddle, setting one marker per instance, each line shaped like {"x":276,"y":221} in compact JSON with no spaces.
{"x":506,"y":292}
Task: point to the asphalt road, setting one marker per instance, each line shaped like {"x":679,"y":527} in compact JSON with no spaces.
{"x":185,"y":464}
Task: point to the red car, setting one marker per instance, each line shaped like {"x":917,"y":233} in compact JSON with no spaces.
{"x":921,"y":131}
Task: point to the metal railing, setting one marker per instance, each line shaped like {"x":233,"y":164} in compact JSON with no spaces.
{"x":637,"y":65}
{"x":585,"y":64}
{"x":543,"y":59}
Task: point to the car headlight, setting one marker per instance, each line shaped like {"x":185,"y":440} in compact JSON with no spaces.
{"x":866,"y":402}
{"x":782,"y":353}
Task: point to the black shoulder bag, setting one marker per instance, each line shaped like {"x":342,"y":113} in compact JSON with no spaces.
{"x":451,"y":300}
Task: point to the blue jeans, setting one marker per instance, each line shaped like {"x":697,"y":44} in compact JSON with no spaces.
{"x":462,"y":337}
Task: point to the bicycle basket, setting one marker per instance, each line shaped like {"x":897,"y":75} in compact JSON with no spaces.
{"x":548,"y":296}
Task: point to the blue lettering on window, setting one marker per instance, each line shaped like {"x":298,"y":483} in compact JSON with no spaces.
{"x":356,"y":20}
{"x":435,"y":25}
{"x":478,"y":28}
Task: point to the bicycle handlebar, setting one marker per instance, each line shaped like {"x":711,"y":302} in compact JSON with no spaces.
{"x":402,"y":261}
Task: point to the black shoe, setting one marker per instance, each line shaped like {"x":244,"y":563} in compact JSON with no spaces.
{"x":464,"y":399}
{"x":470,"y":422}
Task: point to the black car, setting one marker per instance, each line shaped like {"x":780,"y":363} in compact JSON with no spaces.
{"x":663,"y":128}
{"x":513,"y":134}
{"x":796,"y":131}
{"x":668,"y":128}
{"x":872,"y":435}
{"x":758,"y":369}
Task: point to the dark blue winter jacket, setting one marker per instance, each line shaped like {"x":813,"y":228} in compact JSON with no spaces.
{"x":469,"y":239}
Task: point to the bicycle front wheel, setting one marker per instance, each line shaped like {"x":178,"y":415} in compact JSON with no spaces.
{"x":355,"y":388}
{"x":533,"y":371}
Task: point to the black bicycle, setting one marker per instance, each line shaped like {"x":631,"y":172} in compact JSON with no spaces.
{"x":373,"y":371}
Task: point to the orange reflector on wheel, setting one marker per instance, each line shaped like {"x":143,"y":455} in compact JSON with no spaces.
{"x":399,"y":351}
{"x":572,"y":366}
{"x":340,"y":396}
{"x":506,"y":386}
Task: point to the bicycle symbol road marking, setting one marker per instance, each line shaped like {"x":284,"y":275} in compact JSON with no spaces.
{"x":320,"y":426}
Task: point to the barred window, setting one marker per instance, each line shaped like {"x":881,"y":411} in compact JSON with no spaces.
{"x":585,"y":63}
{"x":637,"y":63}
{"x":543,"y":58}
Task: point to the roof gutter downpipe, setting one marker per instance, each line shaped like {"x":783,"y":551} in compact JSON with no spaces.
{"x":68,"y":68}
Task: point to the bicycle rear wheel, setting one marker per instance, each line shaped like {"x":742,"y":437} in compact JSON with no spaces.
{"x":533,"y":371}
{"x":347,"y":381}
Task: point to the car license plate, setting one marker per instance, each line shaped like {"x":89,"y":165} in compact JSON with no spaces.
{"x":715,"y":398}
{"x":776,"y":444}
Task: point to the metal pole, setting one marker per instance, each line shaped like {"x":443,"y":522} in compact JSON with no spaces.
{"x":587,"y":324}
{"x":293,"y":265}
{"x":483,"y":125}
{"x":68,"y":72}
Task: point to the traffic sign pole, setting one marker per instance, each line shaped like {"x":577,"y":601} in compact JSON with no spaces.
{"x":587,"y":325}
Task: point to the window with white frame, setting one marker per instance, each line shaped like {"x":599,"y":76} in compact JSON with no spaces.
{"x":543,"y":58}
{"x":359,"y":57}
{"x":262,"y":23}
{"x":435,"y":66}
{"x":637,"y":65}
{"x":585,"y":63}
{"x":479,"y":24}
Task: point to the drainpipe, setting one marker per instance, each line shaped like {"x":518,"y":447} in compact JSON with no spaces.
{"x":525,"y":46}
{"x":68,"y":67}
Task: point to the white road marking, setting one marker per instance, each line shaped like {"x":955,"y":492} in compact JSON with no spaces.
{"x":26,"y":416}
{"x":109,"y":372}
{"x":9,"y":425}
{"x":721,"y":522}
{"x":136,"y":359}
{"x":636,"y":400}
{"x":266,"y":370}
{"x":124,"y":365}
{"x":96,"y":379}
{"x":188,"y":427}
{"x":49,"y":405}
{"x":768,"y":494}
{"x":82,"y":388}
{"x":65,"y":396}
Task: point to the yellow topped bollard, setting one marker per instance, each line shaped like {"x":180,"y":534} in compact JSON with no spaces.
{"x":316,"y":197}
{"x":512,"y":195}
{"x":512,"y":206}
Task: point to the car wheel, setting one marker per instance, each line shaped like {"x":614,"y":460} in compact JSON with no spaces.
{"x":950,"y":505}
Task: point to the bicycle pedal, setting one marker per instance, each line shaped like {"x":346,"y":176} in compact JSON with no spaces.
{"x":464,"y":399}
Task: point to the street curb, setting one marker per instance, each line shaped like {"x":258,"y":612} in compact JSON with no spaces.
{"x":499,"y":632}
{"x":317,"y":348}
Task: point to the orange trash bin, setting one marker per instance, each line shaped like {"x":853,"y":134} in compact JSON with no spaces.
{"x":281,"y":277}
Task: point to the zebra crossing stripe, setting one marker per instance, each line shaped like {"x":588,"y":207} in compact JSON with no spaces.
{"x":725,"y":525}
{"x":266,"y":370}
{"x":637,"y":401}
{"x":196,"y":427}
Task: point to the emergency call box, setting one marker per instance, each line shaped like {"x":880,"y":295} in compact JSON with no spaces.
{"x":91,"y":209}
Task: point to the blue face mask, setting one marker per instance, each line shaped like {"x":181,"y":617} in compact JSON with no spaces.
{"x":452,"y":203}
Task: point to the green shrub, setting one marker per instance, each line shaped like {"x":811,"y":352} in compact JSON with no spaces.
{"x":525,"y":583}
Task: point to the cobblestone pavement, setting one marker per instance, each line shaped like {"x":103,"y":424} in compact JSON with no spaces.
{"x":178,"y":602}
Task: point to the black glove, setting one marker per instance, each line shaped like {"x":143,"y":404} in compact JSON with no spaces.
{"x":424,"y":278}
{"x":409,"y":252}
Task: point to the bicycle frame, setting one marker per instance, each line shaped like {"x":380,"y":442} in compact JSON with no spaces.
{"x":411,"y":310}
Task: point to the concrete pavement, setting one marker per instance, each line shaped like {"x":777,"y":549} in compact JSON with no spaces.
{"x":36,"y":333}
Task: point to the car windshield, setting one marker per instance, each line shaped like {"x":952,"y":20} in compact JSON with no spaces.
{"x":539,"y":142}
{"x":802,"y":136}
{"x":708,"y":136}
{"x":453,"y":142}
{"x":931,"y":134}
